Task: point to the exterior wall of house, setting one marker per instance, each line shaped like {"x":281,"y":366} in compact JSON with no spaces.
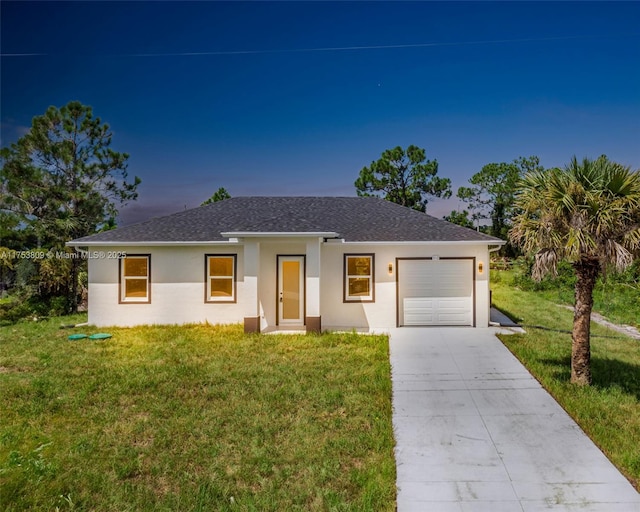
{"x":380,"y":315}
{"x":178,"y":284}
{"x":177,"y":288}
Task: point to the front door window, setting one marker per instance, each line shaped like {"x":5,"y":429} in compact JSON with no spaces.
{"x":291,"y":290}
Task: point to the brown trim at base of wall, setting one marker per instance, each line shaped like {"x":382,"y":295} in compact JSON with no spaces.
{"x":251,"y":324}
{"x":313,"y":323}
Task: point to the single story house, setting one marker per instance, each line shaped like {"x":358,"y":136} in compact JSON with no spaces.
{"x":300,"y":263}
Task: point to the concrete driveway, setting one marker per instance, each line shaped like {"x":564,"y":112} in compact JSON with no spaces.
{"x":476,"y":432}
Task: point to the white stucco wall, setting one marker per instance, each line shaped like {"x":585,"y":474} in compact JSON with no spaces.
{"x":177,"y":284}
{"x":177,"y":288}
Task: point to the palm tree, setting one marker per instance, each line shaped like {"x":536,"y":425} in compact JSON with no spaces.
{"x":588,"y":214}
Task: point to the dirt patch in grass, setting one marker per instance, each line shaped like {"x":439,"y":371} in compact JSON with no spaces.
{"x":14,"y":369}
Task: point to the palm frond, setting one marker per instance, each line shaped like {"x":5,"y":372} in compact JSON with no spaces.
{"x":631,"y":239}
{"x":617,"y":255}
{"x":590,"y":209}
{"x":545,"y":263}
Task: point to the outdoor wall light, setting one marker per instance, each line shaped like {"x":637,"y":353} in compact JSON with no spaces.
{"x":480,"y":267}
{"x":390,"y":268}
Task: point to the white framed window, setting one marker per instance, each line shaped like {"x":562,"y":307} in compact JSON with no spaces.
{"x":135,"y":278}
{"x":220,"y":278}
{"x":359,"y":278}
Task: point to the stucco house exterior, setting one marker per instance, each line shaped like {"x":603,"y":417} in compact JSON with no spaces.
{"x":299,"y":263}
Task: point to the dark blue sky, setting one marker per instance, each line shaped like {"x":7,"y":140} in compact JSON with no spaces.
{"x":254,"y":112}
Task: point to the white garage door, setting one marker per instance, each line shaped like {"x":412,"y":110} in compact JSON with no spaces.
{"x":435,"y":292}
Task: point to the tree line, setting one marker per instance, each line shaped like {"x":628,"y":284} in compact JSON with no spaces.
{"x":62,"y":181}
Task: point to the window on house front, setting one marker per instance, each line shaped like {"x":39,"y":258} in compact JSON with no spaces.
{"x":358,"y":278}
{"x":220,"y":277}
{"x":135,"y":278}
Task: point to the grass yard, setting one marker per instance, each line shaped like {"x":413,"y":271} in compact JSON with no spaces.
{"x":193,"y":418}
{"x":609,"y":410}
{"x":618,"y":302}
{"x":616,"y":297}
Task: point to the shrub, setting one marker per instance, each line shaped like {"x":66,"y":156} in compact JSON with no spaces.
{"x":12,"y":310}
{"x":522,"y":276}
{"x":23,"y":304}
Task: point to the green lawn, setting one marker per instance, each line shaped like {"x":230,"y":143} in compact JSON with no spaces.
{"x":609,"y":410}
{"x":193,"y":418}
{"x":615,"y":296}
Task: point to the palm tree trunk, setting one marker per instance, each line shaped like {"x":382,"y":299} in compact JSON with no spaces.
{"x":587,"y":271}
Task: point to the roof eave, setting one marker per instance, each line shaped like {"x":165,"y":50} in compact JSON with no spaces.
{"x":235,"y":237}
{"x":280,"y":234}
{"x":116,"y":243}
{"x":426,"y":242}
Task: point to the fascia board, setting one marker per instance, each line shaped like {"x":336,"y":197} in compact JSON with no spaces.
{"x":429,"y":242}
{"x":151,"y":244}
{"x":280,"y":234}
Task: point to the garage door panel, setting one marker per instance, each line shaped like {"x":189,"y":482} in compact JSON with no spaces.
{"x":454,"y":278}
{"x":454,"y":312}
{"x":454,"y":303}
{"x":435,"y":292}
{"x":418,"y":320}
{"x":451,"y":319}
{"x":415,"y":282}
{"x":455,"y":291}
{"x":417,"y":311}
{"x":437,"y":311}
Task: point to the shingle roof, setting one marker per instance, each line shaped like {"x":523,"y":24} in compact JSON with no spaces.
{"x":362,"y":219}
